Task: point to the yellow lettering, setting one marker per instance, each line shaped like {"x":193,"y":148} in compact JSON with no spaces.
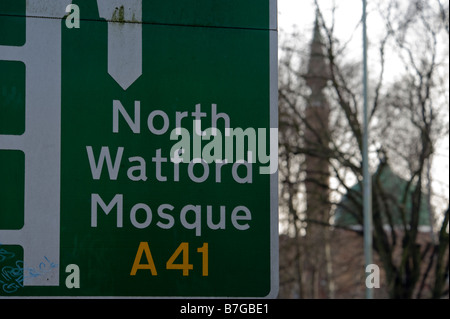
{"x":143,"y":248}
{"x":183,"y":249}
{"x":204,"y":251}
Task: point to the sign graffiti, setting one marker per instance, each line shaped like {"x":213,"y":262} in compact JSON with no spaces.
{"x":12,"y":277}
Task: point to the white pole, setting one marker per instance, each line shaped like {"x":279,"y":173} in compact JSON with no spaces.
{"x":367,"y":196}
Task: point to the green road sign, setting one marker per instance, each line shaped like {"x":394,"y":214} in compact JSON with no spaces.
{"x":138,"y":148}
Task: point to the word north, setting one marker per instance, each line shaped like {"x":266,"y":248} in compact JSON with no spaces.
{"x":234,"y":145}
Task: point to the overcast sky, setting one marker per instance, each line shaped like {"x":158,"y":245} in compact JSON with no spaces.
{"x":300,"y":14}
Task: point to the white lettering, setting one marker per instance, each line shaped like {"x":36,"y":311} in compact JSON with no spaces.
{"x":191,"y":174}
{"x":190,"y":216}
{"x":215,"y":117}
{"x":158,"y":160}
{"x":235,"y":218}
{"x":96,"y":168}
{"x":148,"y":213}
{"x":211,"y":225}
{"x":140,"y":168}
{"x":169,"y":218}
{"x":151,"y":125}
{"x":117,"y":200}
{"x":135,"y":125}
{"x":197,"y":221}
{"x":248,"y":179}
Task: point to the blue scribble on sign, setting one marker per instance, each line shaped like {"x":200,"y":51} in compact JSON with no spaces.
{"x":43,"y":268}
{"x":5,"y":255}
{"x":11,"y":277}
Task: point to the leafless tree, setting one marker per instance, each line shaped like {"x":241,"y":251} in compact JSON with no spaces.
{"x":408,"y":115}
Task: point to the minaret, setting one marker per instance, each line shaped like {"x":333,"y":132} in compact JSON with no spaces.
{"x":316,"y":142}
{"x":317,"y":123}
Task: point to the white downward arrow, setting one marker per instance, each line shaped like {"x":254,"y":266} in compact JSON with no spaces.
{"x":124,"y":39}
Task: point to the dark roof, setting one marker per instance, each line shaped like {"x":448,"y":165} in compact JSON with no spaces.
{"x":349,"y":211}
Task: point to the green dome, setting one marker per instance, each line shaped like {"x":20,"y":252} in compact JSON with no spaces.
{"x":349,"y":210}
